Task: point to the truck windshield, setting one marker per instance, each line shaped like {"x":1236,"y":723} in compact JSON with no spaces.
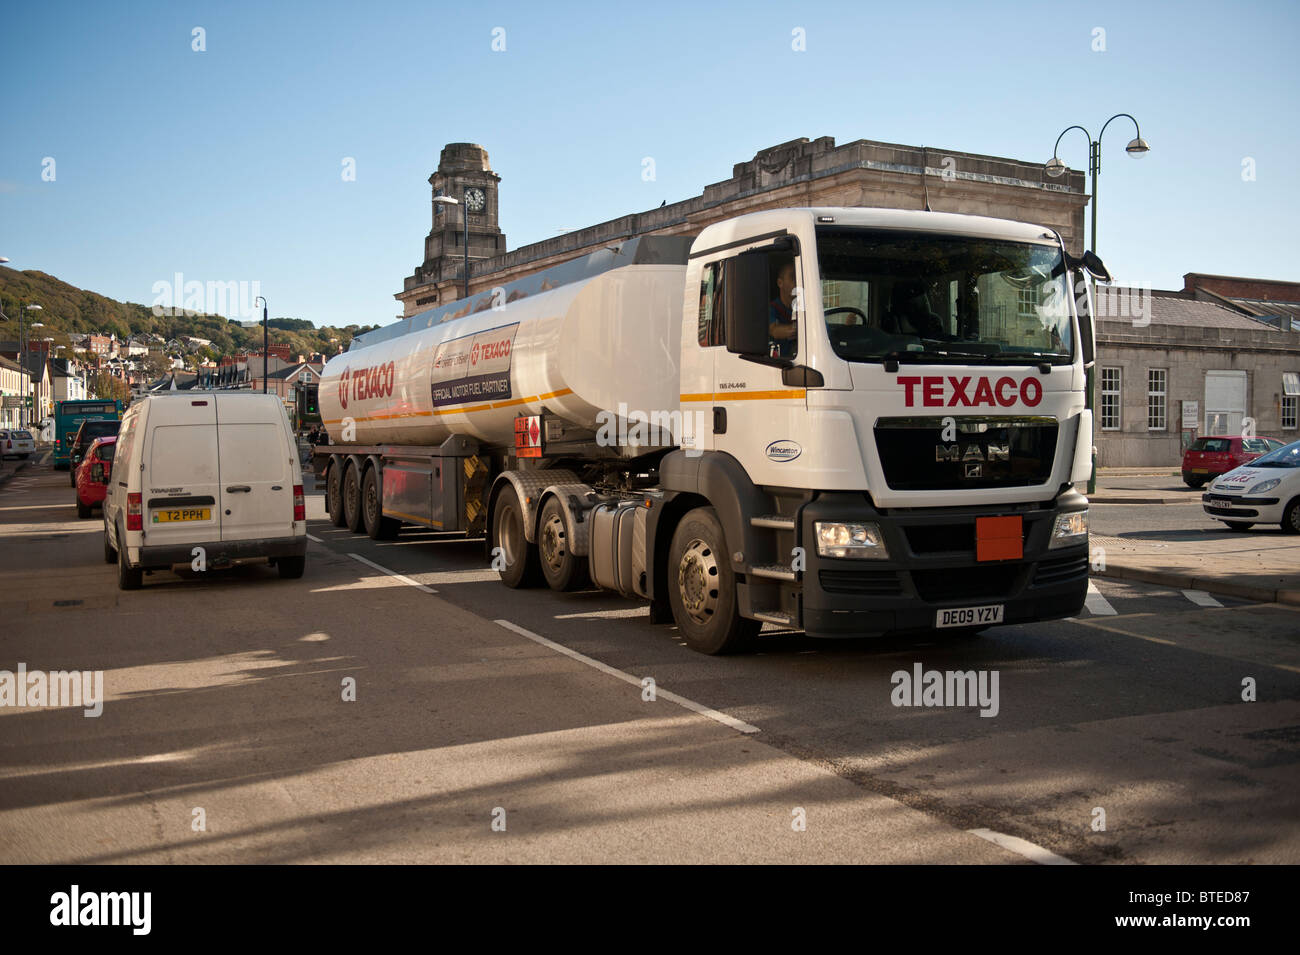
{"x":922,"y":297}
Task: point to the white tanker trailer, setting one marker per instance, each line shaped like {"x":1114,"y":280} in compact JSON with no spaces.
{"x":849,"y":421}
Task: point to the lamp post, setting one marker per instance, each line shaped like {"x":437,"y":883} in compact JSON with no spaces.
{"x":22,"y":344}
{"x":265,"y":339}
{"x":1136,"y":148}
{"x":449,"y":201}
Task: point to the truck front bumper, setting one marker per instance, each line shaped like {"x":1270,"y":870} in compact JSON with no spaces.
{"x":932,"y":566}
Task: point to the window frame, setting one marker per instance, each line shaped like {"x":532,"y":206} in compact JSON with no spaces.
{"x":1117,"y":393}
{"x":1162,"y":394}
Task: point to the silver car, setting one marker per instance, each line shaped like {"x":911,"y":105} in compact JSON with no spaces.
{"x":16,"y":443}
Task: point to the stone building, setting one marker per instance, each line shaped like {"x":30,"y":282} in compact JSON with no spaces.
{"x":1199,"y":363}
{"x":798,"y":173}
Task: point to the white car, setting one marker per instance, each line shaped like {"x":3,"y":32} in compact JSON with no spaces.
{"x":1265,"y":491}
{"x":16,"y":443}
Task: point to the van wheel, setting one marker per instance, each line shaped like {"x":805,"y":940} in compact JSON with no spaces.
{"x":702,"y":587}
{"x":1291,"y":518}
{"x":563,"y":569}
{"x":334,"y":495}
{"x":83,"y":510}
{"x":290,"y":568}
{"x":352,"y":499}
{"x":110,"y":553}
{"x":128,"y":578}
{"x":512,"y":556}
{"x":378,"y":527}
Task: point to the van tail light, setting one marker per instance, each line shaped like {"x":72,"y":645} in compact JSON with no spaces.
{"x":299,"y":504}
{"x":133,"y":518}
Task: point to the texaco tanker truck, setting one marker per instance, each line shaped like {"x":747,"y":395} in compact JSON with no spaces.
{"x":842,"y":420}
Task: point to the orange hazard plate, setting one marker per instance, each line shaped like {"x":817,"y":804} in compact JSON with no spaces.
{"x":999,"y":538}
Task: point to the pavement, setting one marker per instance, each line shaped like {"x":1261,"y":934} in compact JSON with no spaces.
{"x":1262,"y":564}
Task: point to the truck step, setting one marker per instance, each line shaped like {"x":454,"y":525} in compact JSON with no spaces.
{"x":774,"y":572}
{"x":778,"y":617}
{"x":774,"y":521}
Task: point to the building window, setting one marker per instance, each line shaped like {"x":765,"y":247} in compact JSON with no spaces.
{"x":1290,"y":399}
{"x":1157,"y":379}
{"x":1027,"y":302}
{"x":1110,"y":395}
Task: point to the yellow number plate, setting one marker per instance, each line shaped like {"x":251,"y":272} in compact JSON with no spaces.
{"x":182,"y":514}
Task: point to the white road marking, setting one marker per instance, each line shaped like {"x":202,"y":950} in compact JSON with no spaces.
{"x":627,"y":612}
{"x":1201,"y":598}
{"x":660,"y":693}
{"x":316,"y":539}
{"x":1021,"y":847}
{"x":394,"y":574}
{"x":1096,"y":603}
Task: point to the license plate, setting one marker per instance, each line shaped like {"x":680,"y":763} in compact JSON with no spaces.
{"x":182,"y":514}
{"x":968,"y":616}
{"x":1199,"y":470}
{"x":1221,"y":501}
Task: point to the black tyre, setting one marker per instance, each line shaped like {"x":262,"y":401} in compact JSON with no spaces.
{"x":513,"y":557}
{"x":334,"y":495}
{"x":128,"y":578}
{"x":562,"y":569}
{"x":352,"y":499}
{"x":1194,"y":482}
{"x":378,"y":527}
{"x":1291,"y":518}
{"x":290,"y":568}
{"x":110,"y":553}
{"x":83,"y":510}
{"x":702,"y":587}
{"x":1239,"y":525}
{"x":72,"y":476}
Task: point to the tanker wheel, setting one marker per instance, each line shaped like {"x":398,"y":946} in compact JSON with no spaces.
{"x":352,"y":499}
{"x":702,"y":587}
{"x":563,"y":569}
{"x":334,"y":494}
{"x":378,"y":527}
{"x":512,"y":556}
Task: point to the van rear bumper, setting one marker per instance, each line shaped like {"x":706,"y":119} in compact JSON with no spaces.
{"x":165,"y":556}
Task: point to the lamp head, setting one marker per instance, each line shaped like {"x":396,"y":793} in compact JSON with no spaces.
{"x":1138,"y":147}
{"x":1055,"y":167}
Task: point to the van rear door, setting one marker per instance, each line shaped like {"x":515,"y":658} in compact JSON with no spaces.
{"x":256,"y":473}
{"x":179,"y":486}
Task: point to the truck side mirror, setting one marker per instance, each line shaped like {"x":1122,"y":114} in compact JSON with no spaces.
{"x":745,"y":305}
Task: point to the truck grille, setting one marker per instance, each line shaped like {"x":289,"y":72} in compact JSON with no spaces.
{"x":968,"y":582}
{"x":866,"y":583}
{"x":986,"y":452}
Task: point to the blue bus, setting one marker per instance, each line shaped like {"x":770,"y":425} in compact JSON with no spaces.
{"x":68,"y":416}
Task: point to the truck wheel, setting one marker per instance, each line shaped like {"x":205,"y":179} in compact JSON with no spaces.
{"x":128,"y":578}
{"x":110,"y":553}
{"x":563,"y":569}
{"x":334,"y":494}
{"x":512,"y":556}
{"x":702,"y":587}
{"x":352,"y":499}
{"x":1291,"y":518}
{"x":378,"y":527}
{"x":290,"y":568}
{"x":83,"y":510}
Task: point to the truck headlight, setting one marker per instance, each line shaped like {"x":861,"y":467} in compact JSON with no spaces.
{"x":850,"y":540}
{"x":1071,"y":528}
{"x":1263,"y":486}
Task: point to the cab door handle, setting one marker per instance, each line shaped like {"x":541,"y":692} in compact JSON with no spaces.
{"x":236,"y":488}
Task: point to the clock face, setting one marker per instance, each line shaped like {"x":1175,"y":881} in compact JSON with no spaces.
{"x":475,"y":200}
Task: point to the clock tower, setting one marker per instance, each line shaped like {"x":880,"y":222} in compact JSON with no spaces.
{"x":463,"y":174}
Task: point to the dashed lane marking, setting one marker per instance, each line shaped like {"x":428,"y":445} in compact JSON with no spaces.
{"x":660,"y":693}
{"x":1096,"y":603}
{"x":1201,"y":598}
{"x":394,"y":574}
{"x":1022,"y":847}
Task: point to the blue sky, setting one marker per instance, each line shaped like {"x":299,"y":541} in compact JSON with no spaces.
{"x":225,"y":165}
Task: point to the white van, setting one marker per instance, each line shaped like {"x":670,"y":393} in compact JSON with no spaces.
{"x":216,"y":470}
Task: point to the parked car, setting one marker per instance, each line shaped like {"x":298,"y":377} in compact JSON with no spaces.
{"x":93,"y":474}
{"x":16,"y":443}
{"x":87,"y":432}
{"x":211,"y":470}
{"x":1209,"y":457}
{"x":1265,"y":491}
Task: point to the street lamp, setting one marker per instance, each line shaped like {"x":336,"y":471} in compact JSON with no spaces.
{"x":1136,"y":148}
{"x":22,"y":312}
{"x":265,"y":339}
{"x":449,"y":201}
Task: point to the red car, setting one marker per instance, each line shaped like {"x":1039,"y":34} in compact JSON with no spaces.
{"x":92,"y":475}
{"x":1209,"y":457}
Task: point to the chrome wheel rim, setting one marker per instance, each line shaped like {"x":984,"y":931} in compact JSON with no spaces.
{"x":554,"y":543}
{"x":697,"y":581}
